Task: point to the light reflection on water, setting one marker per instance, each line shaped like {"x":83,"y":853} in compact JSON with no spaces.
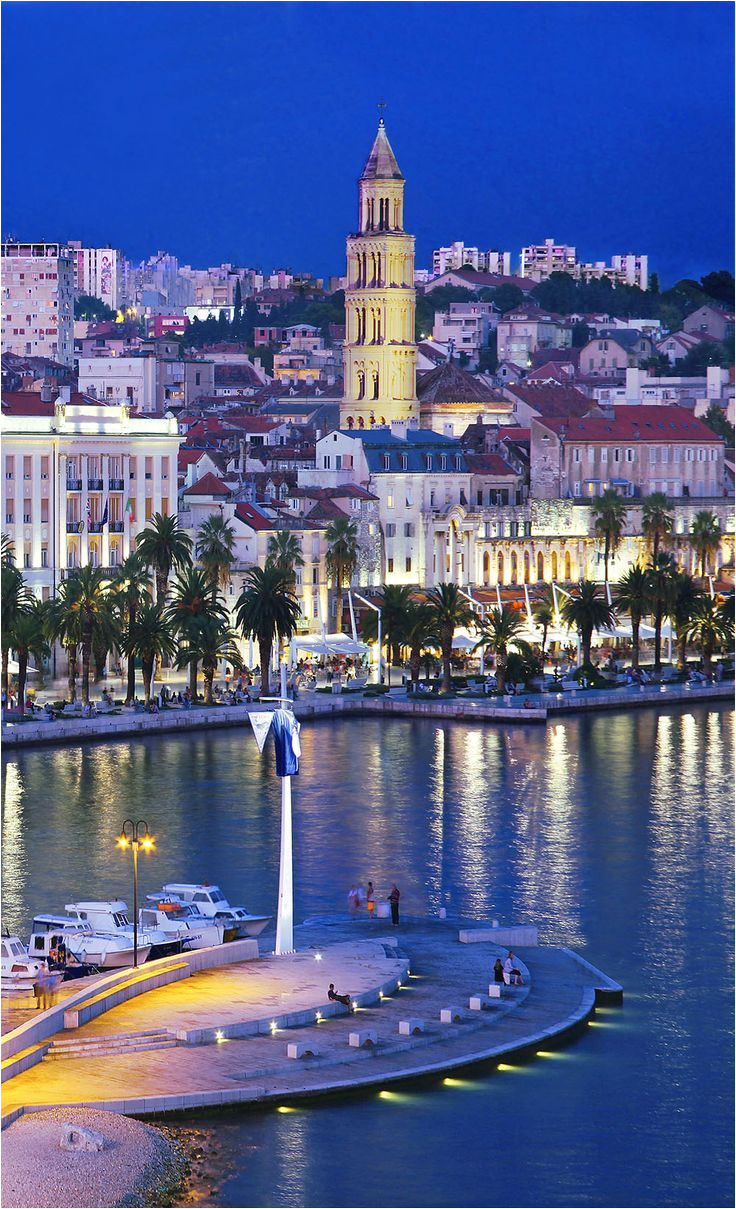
{"x":613,"y":832}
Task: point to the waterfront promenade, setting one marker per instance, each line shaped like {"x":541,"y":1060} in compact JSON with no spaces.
{"x":525,"y":707}
{"x":229,"y":1028}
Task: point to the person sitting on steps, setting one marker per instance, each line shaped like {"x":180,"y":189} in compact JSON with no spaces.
{"x":333,"y":995}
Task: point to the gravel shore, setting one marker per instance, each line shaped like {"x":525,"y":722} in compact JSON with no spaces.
{"x":137,"y":1167}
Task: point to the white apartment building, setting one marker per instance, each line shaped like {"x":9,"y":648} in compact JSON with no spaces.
{"x":458,"y":255}
{"x":80,"y":480}
{"x":99,"y":273}
{"x":629,"y":269}
{"x":147,"y":382}
{"x":38,"y":301}
{"x":523,"y":332}
{"x":468,"y":325}
{"x":538,"y":261}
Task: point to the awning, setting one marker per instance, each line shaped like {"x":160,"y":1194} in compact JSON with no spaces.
{"x":329,"y":644}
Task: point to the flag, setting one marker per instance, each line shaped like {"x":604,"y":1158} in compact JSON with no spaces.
{"x":130,"y":508}
{"x":261,"y":723}
{"x":89,"y":513}
{"x":104,"y":515}
{"x":286,"y":739}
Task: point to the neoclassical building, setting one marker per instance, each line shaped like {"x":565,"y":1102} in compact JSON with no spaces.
{"x":380,"y":351}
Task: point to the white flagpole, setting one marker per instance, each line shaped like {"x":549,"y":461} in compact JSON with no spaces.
{"x":285,"y":916}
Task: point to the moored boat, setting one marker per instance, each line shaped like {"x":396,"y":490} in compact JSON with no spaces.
{"x":81,"y":944}
{"x":111,"y":916}
{"x":181,"y":921}
{"x":210,"y":901}
{"x":18,"y":970}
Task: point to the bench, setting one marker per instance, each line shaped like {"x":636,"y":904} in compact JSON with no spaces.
{"x":450,"y":1015}
{"x":363,"y":1039}
{"x":411,"y":1027}
{"x":476,"y":1003}
{"x":299,"y":1049}
{"x":494,"y":990}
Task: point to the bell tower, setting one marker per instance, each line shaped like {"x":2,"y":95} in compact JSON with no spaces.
{"x":379,"y":353}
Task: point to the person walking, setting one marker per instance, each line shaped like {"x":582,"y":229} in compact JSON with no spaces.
{"x":393,"y":898}
{"x":370,"y":900}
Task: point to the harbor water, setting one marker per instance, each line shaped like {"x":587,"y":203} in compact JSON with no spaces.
{"x":612,"y":832}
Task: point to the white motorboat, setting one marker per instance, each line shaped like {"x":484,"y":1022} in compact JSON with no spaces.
{"x":87,"y":946}
{"x":18,"y":970}
{"x":210,"y":901}
{"x":181,"y":921}
{"x":112,"y":917}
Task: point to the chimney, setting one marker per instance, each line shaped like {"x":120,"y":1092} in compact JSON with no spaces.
{"x":65,"y":394}
{"x":47,"y":393}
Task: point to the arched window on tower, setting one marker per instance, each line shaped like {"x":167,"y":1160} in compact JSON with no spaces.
{"x":514,"y":567}
{"x":397,"y":215}
{"x":568,"y":567}
{"x":375,"y":384}
{"x":554,"y":565}
{"x":540,"y":566}
{"x":350,"y":422}
{"x":361,"y":384}
{"x":486,"y":568}
{"x":378,"y":280}
{"x":527,"y":567}
{"x":500,"y":568}
{"x":361,"y":422}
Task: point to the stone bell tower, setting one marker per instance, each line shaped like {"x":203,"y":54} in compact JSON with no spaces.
{"x":380,"y":352}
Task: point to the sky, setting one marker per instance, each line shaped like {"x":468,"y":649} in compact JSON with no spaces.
{"x":236,"y":131}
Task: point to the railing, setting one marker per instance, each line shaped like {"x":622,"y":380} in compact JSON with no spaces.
{"x":117,"y":526}
{"x":74,"y":484}
{"x":117,"y":484}
{"x":94,"y":484}
{"x":72,"y":526}
{"x":96,"y":526}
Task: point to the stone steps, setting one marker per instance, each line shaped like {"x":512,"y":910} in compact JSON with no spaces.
{"x":97,"y":1047}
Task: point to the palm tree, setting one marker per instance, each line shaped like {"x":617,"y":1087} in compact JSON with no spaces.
{"x":543,"y":611}
{"x":705,"y":537}
{"x":7,"y":551}
{"x":420,"y":632}
{"x":685,"y":595}
{"x":726,"y":610}
{"x":28,"y":637}
{"x":194,"y":596}
{"x":610,"y":514}
{"x":150,"y":637}
{"x":660,"y":577}
{"x":165,"y":547}
{"x":15,"y":597}
{"x":64,"y":624}
{"x":285,"y":553}
{"x":657,"y":522}
{"x":91,"y":601}
{"x":633,"y":597}
{"x":587,"y":610}
{"x":268,"y":611}
{"x":708,"y":627}
{"x":395,"y":599}
{"x":342,"y":558}
{"x":216,"y":548}
{"x":451,"y":610}
{"x":501,"y":631}
{"x":130,"y":588}
{"x":209,"y":641}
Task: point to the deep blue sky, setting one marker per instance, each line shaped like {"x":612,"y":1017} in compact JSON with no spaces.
{"x":236,"y":131}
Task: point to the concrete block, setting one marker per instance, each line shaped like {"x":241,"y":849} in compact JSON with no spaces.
{"x":75,"y":1137}
{"x":363,"y":1039}
{"x":450,"y":1015}
{"x":476,"y":1003}
{"x":494,"y":990}
{"x":300,"y":1049}
{"x":411,"y":1027}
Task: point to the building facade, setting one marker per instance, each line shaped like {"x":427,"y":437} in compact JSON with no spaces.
{"x":99,"y":273}
{"x":38,"y":301}
{"x":458,"y":254}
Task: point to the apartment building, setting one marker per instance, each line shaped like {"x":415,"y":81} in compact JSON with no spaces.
{"x":38,"y":300}
{"x":149,"y":381}
{"x":522,"y":332}
{"x":538,"y":261}
{"x":466,"y":326}
{"x":613,"y":351}
{"x":98,"y":272}
{"x":458,"y":255}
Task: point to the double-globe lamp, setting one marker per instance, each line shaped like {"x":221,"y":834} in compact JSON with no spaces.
{"x":135,"y":836}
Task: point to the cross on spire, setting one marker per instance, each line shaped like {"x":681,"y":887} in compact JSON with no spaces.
{"x":381,"y":105}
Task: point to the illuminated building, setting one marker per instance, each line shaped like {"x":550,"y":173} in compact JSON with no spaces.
{"x":38,"y":301}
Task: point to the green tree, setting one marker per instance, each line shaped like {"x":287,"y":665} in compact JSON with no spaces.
{"x":507,"y":298}
{"x":64,"y":624}
{"x":237,"y":301}
{"x":342,"y":558}
{"x":657,"y":520}
{"x":609,"y":513}
{"x":130,"y":587}
{"x":661,"y":574}
{"x":719,"y":285}
{"x":654,"y":283}
{"x":708,"y":628}
{"x":149,"y":637}
{"x":394,"y":601}
{"x":451,"y":609}
{"x":91,"y":600}
{"x":705,"y":537}
{"x":28,"y":638}
{"x":216,"y":548}
{"x":15,"y":597}
{"x":501,"y":631}
{"x":209,"y":641}
{"x":268,"y":611}
{"x":165,"y":547}
{"x":420,"y":632}
{"x":94,"y":310}
{"x":715,"y":418}
{"x":285,"y":553}
{"x":587,"y":610}
{"x":194,"y":597}
{"x":488,"y":357}
{"x":633,"y":597}
{"x":685,"y":595}
{"x":543,"y":611}
{"x":697,"y":359}
{"x":581,"y":334}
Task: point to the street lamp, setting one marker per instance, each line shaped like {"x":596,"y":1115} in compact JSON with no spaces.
{"x":135,"y":836}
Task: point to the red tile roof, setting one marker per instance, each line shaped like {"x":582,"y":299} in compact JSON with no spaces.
{"x":209,"y":484}
{"x":30,"y":403}
{"x":488,"y":463}
{"x":633,"y":423}
{"x":253,"y":517}
{"x":550,"y":401}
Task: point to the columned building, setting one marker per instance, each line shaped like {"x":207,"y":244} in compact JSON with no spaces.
{"x":379,"y":351}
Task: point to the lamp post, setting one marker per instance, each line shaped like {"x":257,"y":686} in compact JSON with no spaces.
{"x":135,"y":836}
{"x":376,"y":609}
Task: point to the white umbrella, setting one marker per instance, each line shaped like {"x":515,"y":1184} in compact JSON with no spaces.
{"x":461,"y":642}
{"x":14,"y":667}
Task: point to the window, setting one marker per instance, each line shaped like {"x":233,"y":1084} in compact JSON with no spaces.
{"x":338,"y":462}
{"x":44,"y":556}
{"x":617,"y":455}
{"x":652,"y":454}
{"x":431,"y":499}
{"x":27,"y":514}
{"x":701,"y":457}
{"x":689,"y":455}
{"x":389,"y":501}
{"x":404,"y":460}
{"x":315,"y":575}
{"x":44,"y":467}
{"x":576,"y":454}
{"x":9,"y":466}
{"x":479,"y":497}
{"x":149,"y":508}
{"x":711,"y":455}
{"x":386,"y":461}
{"x":428,"y":460}
{"x":164,"y":468}
{"x":677,"y":451}
{"x":10,"y":512}
{"x":408,"y":530}
{"x":326,"y":462}
{"x":390,"y":565}
{"x":408,"y":564}
{"x":604,"y":454}
{"x":443,"y":461}
{"x":390,"y":529}
{"x":131,"y":473}
{"x":629,"y":455}
{"x":27,"y":463}
{"x":576,"y":488}
{"x":149,"y":468}
{"x":664,"y":454}
{"x":44,"y":512}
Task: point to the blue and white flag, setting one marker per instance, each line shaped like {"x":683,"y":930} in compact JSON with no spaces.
{"x":261,"y":723}
{"x":286,"y":739}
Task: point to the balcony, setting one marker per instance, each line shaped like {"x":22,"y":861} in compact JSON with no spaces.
{"x":74,"y":484}
{"x":117,"y":484}
{"x":94,"y":484}
{"x":95,"y":526}
{"x":72,"y":526}
{"x":117,"y":526}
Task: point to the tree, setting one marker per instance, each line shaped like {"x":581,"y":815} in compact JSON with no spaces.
{"x":15,"y":597}
{"x":715,"y":418}
{"x":28,"y":638}
{"x":488,"y":357}
{"x":91,"y":600}
{"x":708,"y":628}
{"x":268,"y":611}
{"x":705,"y":537}
{"x":661,"y":573}
{"x":543,"y":611}
{"x":500,"y":630}
{"x":342,"y":558}
{"x":94,"y":310}
{"x":395,"y":600}
{"x":610,"y":513}
{"x":420,"y":632}
{"x":719,"y":285}
{"x":209,"y":641}
{"x":685,"y":595}
{"x":64,"y":624}
{"x":130,"y":587}
{"x":633,"y":597}
{"x":581,"y":334}
{"x":587,"y":610}
{"x":216,"y":548}
{"x":507,"y":298}
{"x":654,"y":283}
{"x":165,"y":547}
{"x":194,"y":596}
{"x":698,"y":358}
{"x":451,"y":609}
{"x":657,"y":520}
{"x":150,"y":637}
{"x":237,"y":301}
{"x":285,"y":553}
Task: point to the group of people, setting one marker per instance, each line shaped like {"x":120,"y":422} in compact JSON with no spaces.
{"x":360,"y":896}
{"x":507,"y":971}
